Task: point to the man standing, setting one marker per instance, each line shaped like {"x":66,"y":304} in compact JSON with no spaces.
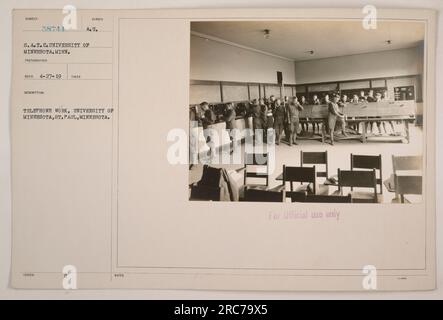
{"x":207,"y":118}
{"x":304,"y":125}
{"x":229,"y":118}
{"x":258,"y":123}
{"x":371,"y":98}
{"x":279,"y":120}
{"x":292,"y":120}
{"x":334,"y":116}
{"x":286,"y":127}
{"x":269,"y":112}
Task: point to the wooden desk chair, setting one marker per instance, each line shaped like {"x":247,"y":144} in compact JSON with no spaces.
{"x":298,"y":174}
{"x":257,"y":195}
{"x":359,"y":179}
{"x":404,"y":163}
{"x":405,"y":185}
{"x":328,"y":199}
{"x":368,"y":162}
{"x":259,"y":160}
{"x":316,"y":158}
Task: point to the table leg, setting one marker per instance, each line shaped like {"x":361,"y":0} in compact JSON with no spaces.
{"x":323,"y":132}
{"x":363,"y":138}
{"x":407,"y":130}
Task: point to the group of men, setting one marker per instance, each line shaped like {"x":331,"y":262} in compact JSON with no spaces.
{"x":273,"y":113}
{"x":342,"y":101}
{"x":282,"y":115}
{"x":278,"y":115}
{"x":206,"y":117}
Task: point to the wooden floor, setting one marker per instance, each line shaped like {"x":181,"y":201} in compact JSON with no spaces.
{"x":339,"y":156}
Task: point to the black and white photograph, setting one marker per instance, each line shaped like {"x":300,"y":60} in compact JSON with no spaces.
{"x":307,"y":111}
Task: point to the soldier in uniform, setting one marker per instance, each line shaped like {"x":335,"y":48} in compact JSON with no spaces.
{"x":335,"y":115}
{"x":229,"y":118}
{"x":207,"y":118}
{"x":286,"y":127}
{"x":269,"y":112}
{"x":264,"y":116}
{"x":292,"y":120}
{"x":258,"y":119}
{"x":279,"y":120}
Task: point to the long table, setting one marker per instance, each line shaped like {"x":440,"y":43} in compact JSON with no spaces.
{"x":363,"y":112}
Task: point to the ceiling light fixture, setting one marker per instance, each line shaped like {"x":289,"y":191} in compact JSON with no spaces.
{"x":388,"y":41}
{"x":266,"y":33}
{"x":310,"y":51}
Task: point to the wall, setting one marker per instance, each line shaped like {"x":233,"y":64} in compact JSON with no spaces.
{"x":212,"y":60}
{"x":369,"y":65}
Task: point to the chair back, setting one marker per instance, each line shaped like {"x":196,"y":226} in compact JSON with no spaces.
{"x":299,"y":174}
{"x":358,"y":179}
{"x":368,"y":162}
{"x":407,"y":163}
{"x":315,"y":158}
{"x":259,"y":160}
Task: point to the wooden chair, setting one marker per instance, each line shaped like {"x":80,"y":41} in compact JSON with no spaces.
{"x":259,"y":160}
{"x":359,"y":179}
{"x":298,"y":174}
{"x":316,"y":158}
{"x":368,"y":162}
{"x":257,"y":195}
{"x":328,"y":199}
{"x":405,"y":185}
{"x":404,"y":163}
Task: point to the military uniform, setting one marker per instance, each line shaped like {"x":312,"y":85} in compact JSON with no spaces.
{"x":208,"y":119}
{"x":270,"y":115}
{"x":279,"y":121}
{"x":334,"y":116}
{"x":292,"y":121}
{"x":257,"y":117}
{"x":230,"y":119}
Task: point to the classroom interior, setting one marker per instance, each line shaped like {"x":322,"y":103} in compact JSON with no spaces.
{"x":378,"y":158}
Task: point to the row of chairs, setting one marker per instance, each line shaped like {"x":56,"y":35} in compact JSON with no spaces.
{"x":313,"y":158}
{"x":370,"y":177}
